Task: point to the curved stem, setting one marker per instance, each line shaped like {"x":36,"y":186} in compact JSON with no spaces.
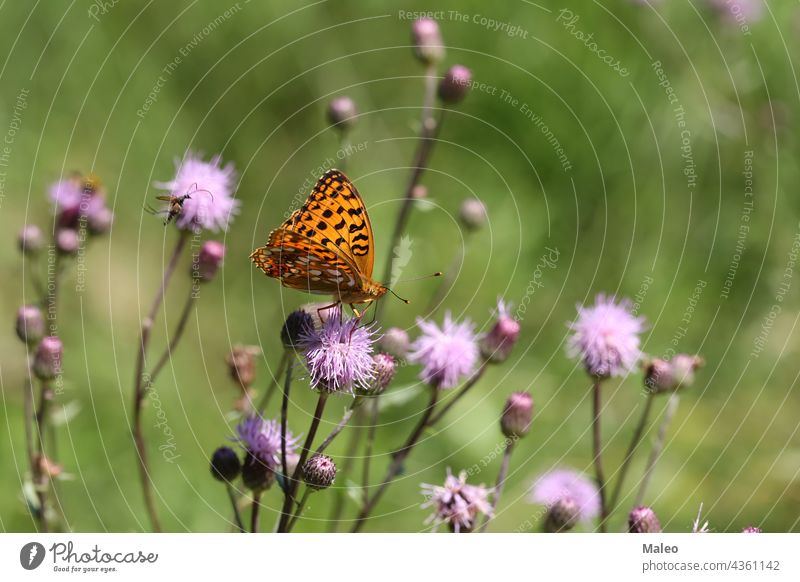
{"x":658,"y":445}
{"x":597,"y":450}
{"x":176,"y":336}
{"x":467,"y":386}
{"x":284,"y":427}
{"x":236,"y":515}
{"x":398,"y":458}
{"x":371,"y":430}
{"x":254,"y":512}
{"x":292,"y":484}
{"x":348,"y":414}
{"x":140,"y":387}
{"x":635,"y":440}
{"x":299,"y":510}
{"x":262,"y":405}
{"x":501,"y":481}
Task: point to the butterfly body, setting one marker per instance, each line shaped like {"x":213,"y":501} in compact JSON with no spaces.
{"x":326,"y":246}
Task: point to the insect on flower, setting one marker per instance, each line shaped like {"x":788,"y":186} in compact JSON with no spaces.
{"x":175,"y":204}
{"x":326,"y":246}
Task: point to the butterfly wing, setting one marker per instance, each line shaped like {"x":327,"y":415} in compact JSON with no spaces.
{"x":302,"y":263}
{"x":335,"y":217}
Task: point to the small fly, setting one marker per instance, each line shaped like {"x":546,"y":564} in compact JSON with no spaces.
{"x":175,"y":204}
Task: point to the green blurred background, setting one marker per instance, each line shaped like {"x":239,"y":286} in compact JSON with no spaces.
{"x":254,"y":89}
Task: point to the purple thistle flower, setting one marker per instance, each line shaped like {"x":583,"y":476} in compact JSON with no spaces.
{"x":76,"y":197}
{"x":456,"y":503}
{"x":447,"y":353}
{"x":606,"y":337}
{"x":199,"y":178}
{"x":739,"y":12}
{"x":339,"y":355}
{"x":566,"y":483}
{"x":262,"y":439}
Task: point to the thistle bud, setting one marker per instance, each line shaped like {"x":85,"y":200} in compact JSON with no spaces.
{"x":395,"y":342}
{"x":256,"y":474}
{"x":30,"y":240}
{"x":298,"y":322}
{"x":385,"y":369}
{"x":670,"y":376}
{"x":47,"y":361}
{"x":225,"y":464}
{"x":455,"y":84}
{"x":562,"y":516}
{"x":208,"y":261}
{"x":342,"y":113}
{"x":30,"y":324}
{"x":472,"y":214}
{"x":643,"y":520}
{"x":658,"y":375}
{"x":515,"y":421}
{"x":419,"y":192}
{"x":683,"y":369}
{"x":100,"y":220}
{"x":319,"y":472}
{"x":496,"y":345}
{"x":242,"y":365}
{"x":427,"y":41}
{"x":67,"y":241}
{"x":752,"y":529}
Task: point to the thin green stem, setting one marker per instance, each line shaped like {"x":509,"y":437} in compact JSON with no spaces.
{"x":371,"y":430}
{"x":501,"y":481}
{"x":597,"y":450}
{"x":254,"y":511}
{"x":273,"y":386}
{"x":477,"y":375}
{"x":284,"y":427}
{"x":348,"y":414}
{"x":346,"y":469}
{"x":40,"y":480}
{"x":658,"y":446}
{"x":300,"y":506}
{"x":635,"y":440}
{"x":236,"y":515}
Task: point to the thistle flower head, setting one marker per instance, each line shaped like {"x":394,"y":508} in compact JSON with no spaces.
{"x":342,"y":113}
{"x":671,"y":375}
{"x":30,"y":240}
{"x":262,"y":439}
{"x":752,"y":529}
{"x":394,"y":342}
{"x":472,"y":214}
{"x":385,"y":369}
{"x":427,"y":41}
{"x":225,"y":464}
{"x":496,"y":345}
{"x":606,"y":337}
{"x":643,"y":520}
{"x":739,"y":10}
{"x":319,"y":472}
{"x":457,"y":504}
{"x":297,"y":323}
{"x":562,"y":516}
{"x":455,"y":84}
{"x":515,"y":422}
{"x":446,"y":353}
{"x":47,"y":361}
{"x":208,"y":260}
{"x":30,"y":324}
{"x":68,"y":241}
{"x":339,"y":355}
{"x":566,"y":483}
{"x":210,"y":185}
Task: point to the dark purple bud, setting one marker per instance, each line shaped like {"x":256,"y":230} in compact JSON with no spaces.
{"x":342,"y":113}
{"x":47,"y":361}
{"x":395,"y":342}
{"x":562,"y":516}
{"x":225,"y":464}
{"x":427,"y":40}
{"x":30,"y":240}
{"x":472,"y":214}
{"x":67,"y":241}
{"x":30,"y":324}
{"x":208,"y":260}
{"x":298,"y":323}
{"x":497,"y":345}
{"x":515,"y":421}
{"x":455,"y":84}
{"x":100,"y":220}
{"x":256,"y":474}
{"x":319,"y":472}
{"x":643,"y":520}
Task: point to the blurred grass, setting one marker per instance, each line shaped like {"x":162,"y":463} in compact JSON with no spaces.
{"x":255,"y":90}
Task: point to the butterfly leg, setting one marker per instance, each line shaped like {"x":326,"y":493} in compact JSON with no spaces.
{"x":326,"y":307}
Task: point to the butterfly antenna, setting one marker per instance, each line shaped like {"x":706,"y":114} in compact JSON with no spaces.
{"x":406,"y":301}
{"x":436,"y":274}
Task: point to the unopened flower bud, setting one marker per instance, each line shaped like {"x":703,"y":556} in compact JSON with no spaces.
{"x":395,"y":342}
{"x":472,"y":214}
{"x":30,"y":324}
{"x":427,"y":41}
{"x":242,"y":365}
{"x":208,"y":260}
{"x":752,"y":529}
{"x":658,"y":375}
{"x":296,"y":324}
{"x":385,"y":369}
{"x":496,"y":345}
{"x":342,"y":113}
{"x":643,"y":520}
{"x":47,"y":361}
{"x":319,"y":472}
{"x":455,"y":84}
{"x":562,"y":515}
{"x":256,"y":474}
{"x":515,"y":421}
{"x":683,"y":369}
{"x":30,"y":240}
{"x":67,"y":241}
{"x":419,"y":192}
{"x":100,"y":220}
{"x":225,"y":464}
{"x":669,"y":376}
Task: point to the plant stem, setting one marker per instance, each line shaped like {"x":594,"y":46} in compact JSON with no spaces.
{"x":293,"y":483}
{"x":348,"y":414}
{"x":140,"y":388}
{"x":449,"y":277}
{"x":284,"y":427}
{"x":658,"y":445}
{"x":176,"y":336}
{"x":501,"y":480}
{"x":41,"y":480}
{"x":254,"y":511}
{"x":597,"y":449}
{"x":262,"y":405}
{"x":469,"y":384}
{"x":429,"y":128}
{"x":236,"y":515}
{"x":300,"y":506}
{"x":371,"y":430}
{"x":635,"y":440}
{"x":347,"y":467}
{"x":398,"y":458}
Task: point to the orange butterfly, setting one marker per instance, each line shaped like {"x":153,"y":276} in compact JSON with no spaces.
{"x":325,"y":247}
